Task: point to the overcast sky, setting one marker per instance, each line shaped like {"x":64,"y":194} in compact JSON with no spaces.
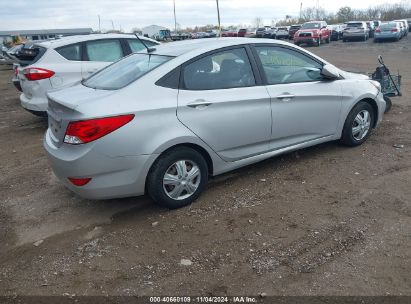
{"x":42,"y":14}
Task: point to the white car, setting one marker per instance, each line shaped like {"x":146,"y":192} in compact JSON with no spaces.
{"x":63,"y":62}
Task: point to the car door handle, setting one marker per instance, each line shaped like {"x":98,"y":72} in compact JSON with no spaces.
{"x":199,"y":103}
{"x":285,"y":97}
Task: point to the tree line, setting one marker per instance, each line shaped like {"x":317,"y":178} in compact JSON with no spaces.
{"x":384,"y":12}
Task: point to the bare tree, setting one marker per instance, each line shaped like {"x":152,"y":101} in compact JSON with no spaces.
{"x":257,"y":22}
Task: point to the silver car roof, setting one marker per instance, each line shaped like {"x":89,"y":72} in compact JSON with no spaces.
{"x":204,"y":45}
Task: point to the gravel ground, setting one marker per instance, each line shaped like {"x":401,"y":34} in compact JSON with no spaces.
{"x":327,"y":220}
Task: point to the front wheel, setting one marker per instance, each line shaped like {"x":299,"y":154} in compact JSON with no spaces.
{"x":358,"y":125}
{"x":177,"y":178}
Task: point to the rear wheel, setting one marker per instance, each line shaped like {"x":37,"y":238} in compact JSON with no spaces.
{"x":358,"y":125}
{"x":177,"y":178}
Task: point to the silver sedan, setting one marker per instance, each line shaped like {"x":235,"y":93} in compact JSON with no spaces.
{"x":162,"y":121}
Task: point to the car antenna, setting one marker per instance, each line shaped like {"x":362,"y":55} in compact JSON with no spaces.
{"x":149,"y":49}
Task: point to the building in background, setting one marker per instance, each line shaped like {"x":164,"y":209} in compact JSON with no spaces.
{"x":152,"y":30}
{"x":43,"y":34}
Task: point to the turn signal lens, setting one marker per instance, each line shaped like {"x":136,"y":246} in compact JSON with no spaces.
{"x":81,"y":132}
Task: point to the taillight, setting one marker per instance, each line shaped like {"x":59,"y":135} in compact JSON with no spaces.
{"x":394,"y":30}
{"x":81,"y":132}
{"x":37,"y":73}
{"x":79,"y":181}
{"x":378,"y":30}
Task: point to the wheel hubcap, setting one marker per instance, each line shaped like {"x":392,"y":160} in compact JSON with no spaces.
{"x":181,"y":179}
{"x":361,"y":125}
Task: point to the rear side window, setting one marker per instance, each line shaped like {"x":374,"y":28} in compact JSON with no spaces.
{"x":104,"y":50}
{"x":125,"y":71}
{"x":222,"y":70}
{"x":137,"y":46}
{"x":70,"y":52}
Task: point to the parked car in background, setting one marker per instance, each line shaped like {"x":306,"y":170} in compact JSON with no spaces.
{"x":313,"y":32}
{"x":104,"y":138}
{"x":388,"y":31}
{"x":260,"y":32}
{"x":371,"y":29}
{"x":405,"y":28}
{"x":336,"y":32}
{"x":292,"y":30}
{"x":229,"y":33}
{"x":356,"y":30}
{"x":282,"y":33}
{"x":200,"y":35}
{"x":250,"y":33}
{"x":377,"y":23}
{"x":62,"y":62}
{"x":409,"y":24}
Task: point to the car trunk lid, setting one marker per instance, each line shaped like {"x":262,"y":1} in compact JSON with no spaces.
{"x":62,"y":108}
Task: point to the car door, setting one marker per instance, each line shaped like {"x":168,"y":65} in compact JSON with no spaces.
{"x":100,"y":53}
{"x":221,"y":101}
{"x":305,"y":107}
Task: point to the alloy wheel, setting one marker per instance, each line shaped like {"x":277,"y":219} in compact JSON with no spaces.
{"x":361,"y":125}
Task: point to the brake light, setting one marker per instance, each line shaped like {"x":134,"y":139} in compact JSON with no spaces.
{"x":79,"y":181}
{"x":37,"y":73}
{"x":378,"y":30}
{"x":394,"y":29}
{"x":81,"y":132}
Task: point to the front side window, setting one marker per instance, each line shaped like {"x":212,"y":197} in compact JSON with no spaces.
{"x":137,"y":46}
{"x":282,"y":65}
{"x":70,"y":52}
{"x":104,"y":50}
{"x":222,"y":70}
{"x":125,"y":71}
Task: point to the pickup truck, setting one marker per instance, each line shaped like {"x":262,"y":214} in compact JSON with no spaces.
{"x":313,"y":32}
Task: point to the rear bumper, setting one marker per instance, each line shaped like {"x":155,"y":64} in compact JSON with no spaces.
{"x":353,"y":35}
{"x":112,"y":177}
{"x":38,"y":104}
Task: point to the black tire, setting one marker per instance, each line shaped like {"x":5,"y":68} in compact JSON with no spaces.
{"x":347,"y":137}
{"x":328,"y":40}
{"x":155,"y":177}
{"x":297,"y":43}
{"x":318,"y":42}
{"x":344,"y":40}
{"x":388,"y":103}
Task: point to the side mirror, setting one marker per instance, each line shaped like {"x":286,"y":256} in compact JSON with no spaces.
{"x":330,"y":72}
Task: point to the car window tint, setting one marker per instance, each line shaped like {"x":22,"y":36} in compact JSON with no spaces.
{"x":283,"y":65}
{"x":70,"y":52}
{"x":104,"y":50}
{"x":136,"y":45}
{"x":222,"y":70}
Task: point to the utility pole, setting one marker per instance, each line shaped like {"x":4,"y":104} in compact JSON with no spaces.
{"x":219,"y":22}
{"x":99,"y":24}
{"x":175,"y":19}
{"x":112,"y":24}
{"x":301,"y":11}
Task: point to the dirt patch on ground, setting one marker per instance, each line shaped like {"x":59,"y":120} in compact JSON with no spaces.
{"x":327,"y":220}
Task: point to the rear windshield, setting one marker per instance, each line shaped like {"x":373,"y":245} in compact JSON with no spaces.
{"x":125,"y":71}
{"x":30,"y":53}
{"x":359,"y":24}
{"x":293,"y":27}
{"x":311,"y":25}
{"x":388,"y":25}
